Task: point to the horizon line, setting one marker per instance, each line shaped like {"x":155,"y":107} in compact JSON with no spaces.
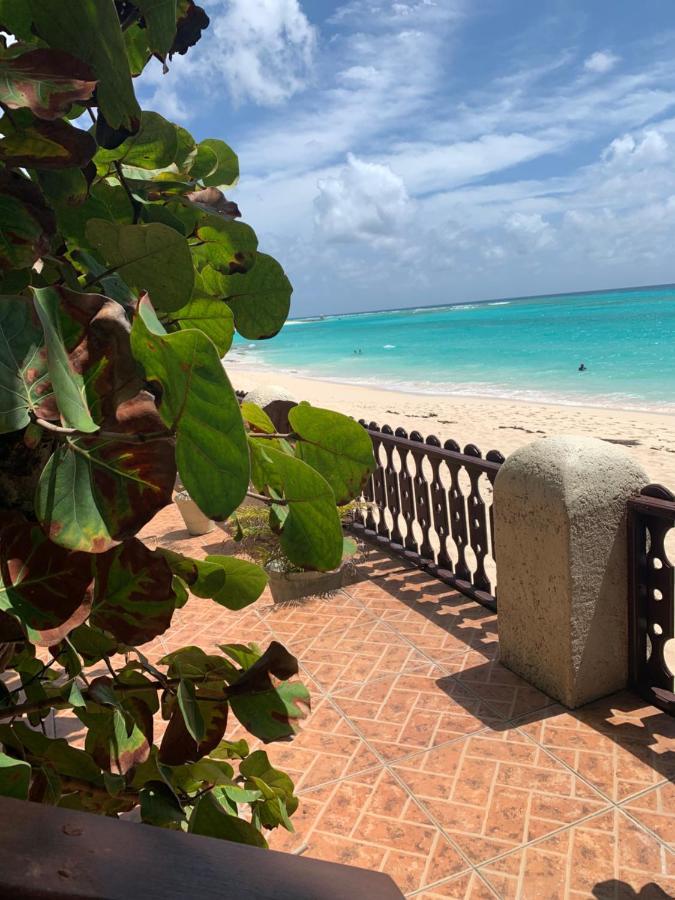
{"x":365,"y":312}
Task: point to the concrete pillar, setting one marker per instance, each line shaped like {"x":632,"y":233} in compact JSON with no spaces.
{"x":560,"y":539}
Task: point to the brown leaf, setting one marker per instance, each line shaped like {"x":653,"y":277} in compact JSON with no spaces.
{"x":42,"y":584}
{"x":101,"y":344}
{"x":214,"y":201}
{"x":178,"y":746}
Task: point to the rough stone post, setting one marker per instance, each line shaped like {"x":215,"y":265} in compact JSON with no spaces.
{"x":560,"y":539}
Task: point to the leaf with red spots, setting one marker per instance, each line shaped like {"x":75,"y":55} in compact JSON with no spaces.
{"x":95,"y":492}
{"x":133,"y":597}
{"x":119,"y":735}
{"x":41,"y":584}
{"x":46,"y":81}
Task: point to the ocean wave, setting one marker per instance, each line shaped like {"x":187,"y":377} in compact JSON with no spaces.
{"x":389,"y":347}
{"x":475,"y":390}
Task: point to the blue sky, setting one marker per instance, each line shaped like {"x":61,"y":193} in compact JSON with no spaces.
{"x":430,"y":151}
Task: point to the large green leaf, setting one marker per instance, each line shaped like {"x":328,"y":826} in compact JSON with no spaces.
{"x":159,"y":805}
{"x":95,"y":492}
{"x":212,"y":317}
{"x":189,"y":707}
{"x":152,"y":258}
{"x":153,"y":147}
{"x":46,"y":81}
{"x":225,"y":245}
{"x":15,"y":18}
{"x":24,"y":385}
{"x":226,"y":171}
{"x":160,"y":23}
{"x":90,"y":30}
{"x":312,"y":533}
{"x":14,"y":777}
{"x":133,"y":595}
{"x":211,"y":819}
{"x":41,"y":584}
{"x":336,"y":446}
{"x":199,"y":403}
{"x":231,"y":582}
{"x":260,"y":298}
{"x":274,"y":713}
{"x":69,"y":385}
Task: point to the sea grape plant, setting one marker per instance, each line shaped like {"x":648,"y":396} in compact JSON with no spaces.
{"x":124,"y":273}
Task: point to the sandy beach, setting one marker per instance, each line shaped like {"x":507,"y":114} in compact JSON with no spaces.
{"x":489,"y":423}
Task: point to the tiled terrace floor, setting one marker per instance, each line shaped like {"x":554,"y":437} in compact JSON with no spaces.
{"x":425,"y":758}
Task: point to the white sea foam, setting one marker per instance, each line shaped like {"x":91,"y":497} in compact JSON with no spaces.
{"x":389,"y":347}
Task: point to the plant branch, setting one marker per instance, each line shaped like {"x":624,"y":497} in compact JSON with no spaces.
{"x":120,"y":436}
{"x":32,"y":706}
{"x":96,"y":279}
{"x":120,"y":174}
{"x":284,"y":437}
{"x":265,"y":499}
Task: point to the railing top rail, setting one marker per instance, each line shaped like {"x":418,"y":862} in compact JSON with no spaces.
{"x":433,"y":448}
{"x":655,"y":500}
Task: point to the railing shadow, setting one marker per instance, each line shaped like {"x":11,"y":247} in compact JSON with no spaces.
{"x":614,"y":889}
{"x":423,"y":593}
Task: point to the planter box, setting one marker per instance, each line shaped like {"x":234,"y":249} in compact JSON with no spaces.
{"x":195,"y":520}
{"x":287,"y":586}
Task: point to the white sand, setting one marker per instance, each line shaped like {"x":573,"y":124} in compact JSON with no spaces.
{"x":489,"y":423}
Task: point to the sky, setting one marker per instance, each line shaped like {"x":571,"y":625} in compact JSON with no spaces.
{"x":421,"y":152}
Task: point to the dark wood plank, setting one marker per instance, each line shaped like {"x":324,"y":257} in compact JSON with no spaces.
{"x":56,"y":854}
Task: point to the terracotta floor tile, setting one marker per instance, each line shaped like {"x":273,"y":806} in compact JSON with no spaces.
{"x":468,"y":886}
{"x":495,"y":791}
{"x":502,"y":690}
{"x":619,"y":744}
{"x":327,"y":748}
{"x":370,"y":821}
{"x":300,"y":621}
{"x":605,"y":857}
{"x":656,"y":811}
{"x":440,"y":623}
{"x":362,"y":651}
{"x":412,"y":711}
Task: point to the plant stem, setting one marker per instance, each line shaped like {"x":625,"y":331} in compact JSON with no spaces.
{"x":265,"y":499}
{"x":120,"y":436}
{"x":290,"y":436}
{"x":134,"y":205}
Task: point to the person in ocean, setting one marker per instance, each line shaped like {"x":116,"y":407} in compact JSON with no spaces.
{"x":582,"y":367}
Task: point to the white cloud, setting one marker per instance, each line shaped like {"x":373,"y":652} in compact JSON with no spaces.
{"x":601,"y":61}
{"x":263,"y":49}
{"x":365,"y":201}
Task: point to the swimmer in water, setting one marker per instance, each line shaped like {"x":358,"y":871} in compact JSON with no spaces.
{"x":582,"y":368}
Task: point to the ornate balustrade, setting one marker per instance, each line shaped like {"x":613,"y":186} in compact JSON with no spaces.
{"x":651,"y":544}
{"x":432,"y":504}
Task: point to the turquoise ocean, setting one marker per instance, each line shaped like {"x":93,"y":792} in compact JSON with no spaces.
{"x":521,"y":348}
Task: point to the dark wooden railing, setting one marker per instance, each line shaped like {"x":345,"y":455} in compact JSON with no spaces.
{"x":651,"y":520}
{"x":58,"y":854}
{"x":432,"y":504}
